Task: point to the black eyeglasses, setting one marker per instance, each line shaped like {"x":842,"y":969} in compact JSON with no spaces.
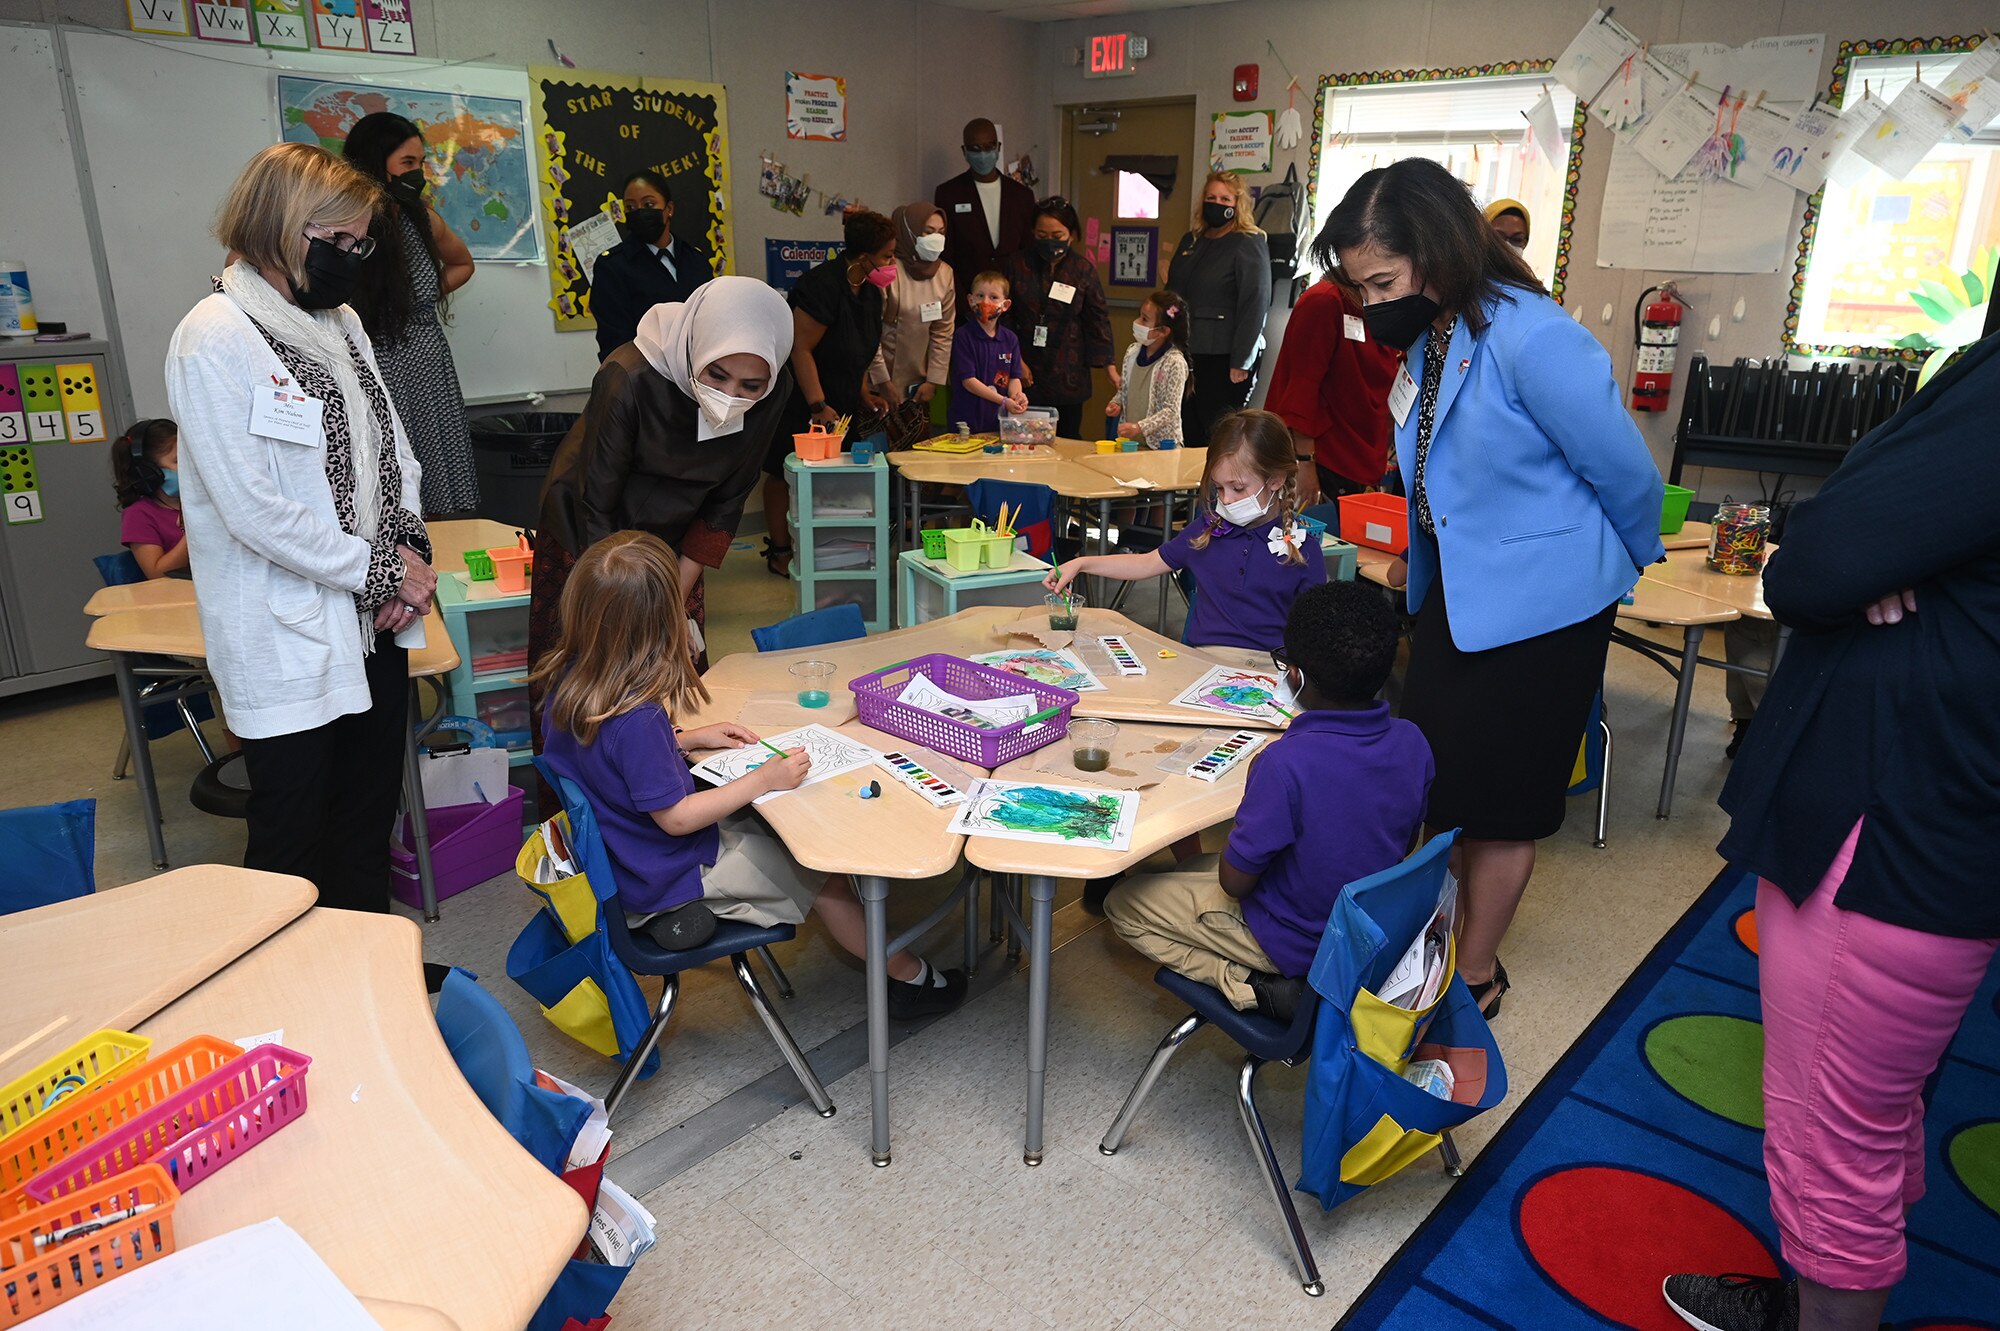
{"x":359,"y":246}
{"x":1281,"y":663}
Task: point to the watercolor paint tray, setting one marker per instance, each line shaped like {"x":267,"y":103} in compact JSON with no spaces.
{"x":939,"y":792}
{"x":1226,"y":756}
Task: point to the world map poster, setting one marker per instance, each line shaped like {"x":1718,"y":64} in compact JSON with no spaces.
{"x":476,"y":153}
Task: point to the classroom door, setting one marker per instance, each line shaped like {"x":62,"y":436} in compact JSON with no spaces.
{"x":1126,"y":167}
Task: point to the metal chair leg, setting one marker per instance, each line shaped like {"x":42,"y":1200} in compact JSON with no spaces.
{"x":1454,"y":1164}
{"x":194,"y":728}
{"x":670,"y":992}
{"x":1267,"y":1160}
{"x":777,"y":972}
{"x":1603,"y":782}
{"x":1162,"y":1054}
{"x":124,"y":759}
{"x":782,"y":1037}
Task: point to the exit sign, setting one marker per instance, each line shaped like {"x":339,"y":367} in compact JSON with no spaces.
{"x":1113,"y":55}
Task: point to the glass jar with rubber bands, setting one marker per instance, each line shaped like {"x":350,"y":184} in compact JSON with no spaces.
{"x":1736,"y":545}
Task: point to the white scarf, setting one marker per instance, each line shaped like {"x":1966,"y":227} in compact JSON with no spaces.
{"x":723,"y":317}
{"x":318,"y":336}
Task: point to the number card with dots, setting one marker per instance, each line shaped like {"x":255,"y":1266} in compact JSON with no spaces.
{"x":82,"y":410}
{"x":41,"y":398}
{"x":1122,"y":656}
{"x":19,"y":492}
{"x":13,"y":420}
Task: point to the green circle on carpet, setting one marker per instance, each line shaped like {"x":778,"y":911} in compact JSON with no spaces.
{"x":1975,"y":1158}
{"x":1715,"y":1061}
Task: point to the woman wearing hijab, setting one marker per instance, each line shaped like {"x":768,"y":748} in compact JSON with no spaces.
{"x":918,"y":318}
{"x":670,"y":443}
{"x":1509,"y":220}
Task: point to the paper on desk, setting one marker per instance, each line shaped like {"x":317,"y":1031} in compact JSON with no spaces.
{"x":259,"y":1275}
{"x":1140,"y":484}
{"x":986,"y":713}
{"x":1036,"y":625}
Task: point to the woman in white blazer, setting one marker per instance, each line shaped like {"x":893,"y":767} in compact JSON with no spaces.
{"x":299,"y":491}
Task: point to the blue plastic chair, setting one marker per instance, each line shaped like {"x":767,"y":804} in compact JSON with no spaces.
{"x":645,"y":957}
{"x":181,"y":701}
{"x":1596,"y":761}
{"x":815,"y":628}
{"x":1264,"y":1040}
{"x":1030,"y":508}
{"x":50,"y":853}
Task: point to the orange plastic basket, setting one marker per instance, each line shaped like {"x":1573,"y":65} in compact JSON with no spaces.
{"x":82,"y":1119}
{"x":511,"y":568}
{"x":817,"y":444}
{"x":76,"y":1069}
{"x":55,"y":1252}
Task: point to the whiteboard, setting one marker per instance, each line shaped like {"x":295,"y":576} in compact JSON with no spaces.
{"x":168,"y":125}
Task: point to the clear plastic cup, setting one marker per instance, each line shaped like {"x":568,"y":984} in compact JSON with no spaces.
{"x":1090,"y":744}
{"x":811,"y":678}
{"x":1063,"y":608}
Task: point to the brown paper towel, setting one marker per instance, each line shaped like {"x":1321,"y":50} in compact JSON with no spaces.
{"x":1133,"y":763}
{"x":771,"y":711}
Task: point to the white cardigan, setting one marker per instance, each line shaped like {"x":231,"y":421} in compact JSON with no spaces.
{"x":274,"y":574}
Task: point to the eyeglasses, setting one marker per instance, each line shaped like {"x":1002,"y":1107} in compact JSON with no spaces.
{"x":359,"y":246}
{"x":1281,"y":663}
{"x":1518,"y":242}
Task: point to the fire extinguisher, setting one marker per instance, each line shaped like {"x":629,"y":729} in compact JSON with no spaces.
{"x":1656,"y":338}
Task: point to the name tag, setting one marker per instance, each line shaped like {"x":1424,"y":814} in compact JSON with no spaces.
{"x":931,"y":311}
{"x":1356,"y":330}
{"x":283,"y":413}
{"x":1402,"y":394}
{"x":961,"y":207}
{"x":1041,"y":335}
{"x":1063,"y":292}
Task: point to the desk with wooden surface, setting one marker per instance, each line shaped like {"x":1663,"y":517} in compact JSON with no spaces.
{"x":153,"y":594}
{"x":399,"y":1178}
{"x":175,"y":630}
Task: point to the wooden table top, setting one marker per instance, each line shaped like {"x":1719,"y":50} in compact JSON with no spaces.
{"x":116,"y":957}
{"x":1175,"y":469}
{"x":1177,"y":807}
{"x":1071,"y":480}
{"x":1692,"y":536}
{"x":452,"y":537}
{"x":1688,"y":571}
{"x":140,"y":596}
{"x":175,"y":630}
{"x":1653,"y":602}
{"x":396,"y":1174}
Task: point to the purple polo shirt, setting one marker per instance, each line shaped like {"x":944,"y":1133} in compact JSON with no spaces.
{"x":150,"y":522}
{"x":1243,"y":592}
{"x":634,"y":768}
{"x":991,"y":360}
{"x":1338,"y":797}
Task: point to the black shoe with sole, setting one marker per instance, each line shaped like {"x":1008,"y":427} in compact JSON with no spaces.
{"x":685,"y":926}
{"x":1489,"y":994}
{"x":1734,"y":1302}
{"x":1278,"y":996}
{"x":1737,"y":730}
{"x":1096,"y":889}
{"x":909,"y":1001}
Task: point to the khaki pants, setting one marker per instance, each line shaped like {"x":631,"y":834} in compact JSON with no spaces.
{"x":1186,"y":922}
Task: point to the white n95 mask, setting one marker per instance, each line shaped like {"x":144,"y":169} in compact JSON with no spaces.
{"x":930,"y":247}
{"x":720,"y":413}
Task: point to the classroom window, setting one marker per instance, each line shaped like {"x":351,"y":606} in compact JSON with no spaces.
{"x":1890,"y":258}
{"x":1476,"y":127}
{"x":1138,"y":197}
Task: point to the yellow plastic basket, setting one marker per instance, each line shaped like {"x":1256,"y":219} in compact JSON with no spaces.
{"x":75,"y":1070}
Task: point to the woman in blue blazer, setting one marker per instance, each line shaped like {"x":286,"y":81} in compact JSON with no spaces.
{"x":1533,"y":505}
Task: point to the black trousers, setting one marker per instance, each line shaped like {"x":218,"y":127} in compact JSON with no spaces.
{"x":1214,"y":397}
{"x":323,"y":801}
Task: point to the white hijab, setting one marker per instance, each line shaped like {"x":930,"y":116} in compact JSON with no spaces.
{"x":724,"y":317}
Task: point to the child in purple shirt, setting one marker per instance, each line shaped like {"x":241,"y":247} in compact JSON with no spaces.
{"x":986,"y":360}
{"x":1338,"y":797}
{"x":1246,"y":550}
{"x":684,"y":855}
{"x":143,"y":471}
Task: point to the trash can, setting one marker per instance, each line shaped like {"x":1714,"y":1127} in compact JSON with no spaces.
{"x":512,"y":454}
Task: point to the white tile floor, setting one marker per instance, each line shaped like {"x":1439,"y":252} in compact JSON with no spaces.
{"x":787,"y":1225}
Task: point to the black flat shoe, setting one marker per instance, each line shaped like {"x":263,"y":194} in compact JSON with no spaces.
{"x":908,"y":1001}
{"x":687,"y":925}
{"x":1737,"y":730}
{"x":1096,"y":889}
{"x":777,"y":558}
{"x":1489,"y":994}
{"x":1277,"y":995}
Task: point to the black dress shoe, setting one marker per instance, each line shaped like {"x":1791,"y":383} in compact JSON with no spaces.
{"x":688,"y":925}
{"x":1278,"y":996}
{"x":1488,"y":995}
{"x":908,"y":1001}
{"x":1737,"y":730}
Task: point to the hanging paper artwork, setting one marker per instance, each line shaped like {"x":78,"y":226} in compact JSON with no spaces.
{"x":592,"y":130}
{"x":1052,"y":815}
{"x":1722,"y":152}
{"x":1248,"y":695}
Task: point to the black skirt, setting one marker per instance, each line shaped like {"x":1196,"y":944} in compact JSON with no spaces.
{"x":1503,"y":724}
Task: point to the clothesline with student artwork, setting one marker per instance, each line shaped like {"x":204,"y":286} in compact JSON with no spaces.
{"x":794,"y":194}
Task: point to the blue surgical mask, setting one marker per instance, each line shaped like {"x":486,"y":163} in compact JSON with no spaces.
{"x":982,"y":162}
{"x":170,"y":482}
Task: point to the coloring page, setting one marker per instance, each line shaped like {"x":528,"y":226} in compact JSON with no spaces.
{"x":1245,"y":694}
{"x":831,"y":754}
{"x":1055,"y":815}
{"x":1060,"y":669}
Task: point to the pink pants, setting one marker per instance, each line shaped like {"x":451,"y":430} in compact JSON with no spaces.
{"x":1857,"y":1015}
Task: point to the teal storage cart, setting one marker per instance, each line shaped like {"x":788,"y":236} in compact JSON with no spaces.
{"x":930,"y":589}
{"x":839,"y":524}
{"x":489,"y":628}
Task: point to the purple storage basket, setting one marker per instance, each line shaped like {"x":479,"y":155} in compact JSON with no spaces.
{"x":470,"y":843}
{"x":875,"y":701}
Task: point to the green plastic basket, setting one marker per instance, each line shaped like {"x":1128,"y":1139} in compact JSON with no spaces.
{"x":479,"y":566}
{"x":1674,"y":508}
{"x":934,"y":544}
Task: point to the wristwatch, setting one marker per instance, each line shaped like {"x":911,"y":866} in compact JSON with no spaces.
{"x":815,"y":408}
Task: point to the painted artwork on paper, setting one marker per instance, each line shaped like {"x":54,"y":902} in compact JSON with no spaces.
{"x":1058,"y":669}
{"x":1053,"y":815}
{"x":1248,"y":695}
{"x":829,"y":752}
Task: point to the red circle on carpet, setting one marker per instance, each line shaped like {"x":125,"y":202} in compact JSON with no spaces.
{"x":1608,"y":1237}
{"x":1746,"y":930}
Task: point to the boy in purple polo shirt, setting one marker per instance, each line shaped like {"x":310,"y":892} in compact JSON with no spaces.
{"x":1338,"y":797}
{"x":986,"y":360}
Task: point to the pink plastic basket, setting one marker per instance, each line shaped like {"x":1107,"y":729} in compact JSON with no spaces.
{"x":193,"y":1132}
{"x":875,"y":701}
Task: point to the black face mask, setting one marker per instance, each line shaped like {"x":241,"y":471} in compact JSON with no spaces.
{"x":331,"y":276}
{"x":1052,"y":249}
{"x":1215,"y":215}
{"x":645,"y":225}
{"x":408,"y":188}
{"x":1400,"y":322}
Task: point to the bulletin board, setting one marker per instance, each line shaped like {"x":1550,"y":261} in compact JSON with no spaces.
{"x":1572,"y":172}
{"x":592,"y":130}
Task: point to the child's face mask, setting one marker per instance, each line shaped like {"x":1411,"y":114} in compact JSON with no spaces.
{"x":989,"y":308}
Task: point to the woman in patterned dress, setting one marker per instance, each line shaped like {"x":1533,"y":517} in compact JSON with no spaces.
{"x":401,"y":301}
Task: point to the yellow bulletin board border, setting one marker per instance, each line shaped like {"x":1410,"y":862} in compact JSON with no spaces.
{"x":1809,"y":227}
{"x":572,"y":311}
{"x":1572,"y":170}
